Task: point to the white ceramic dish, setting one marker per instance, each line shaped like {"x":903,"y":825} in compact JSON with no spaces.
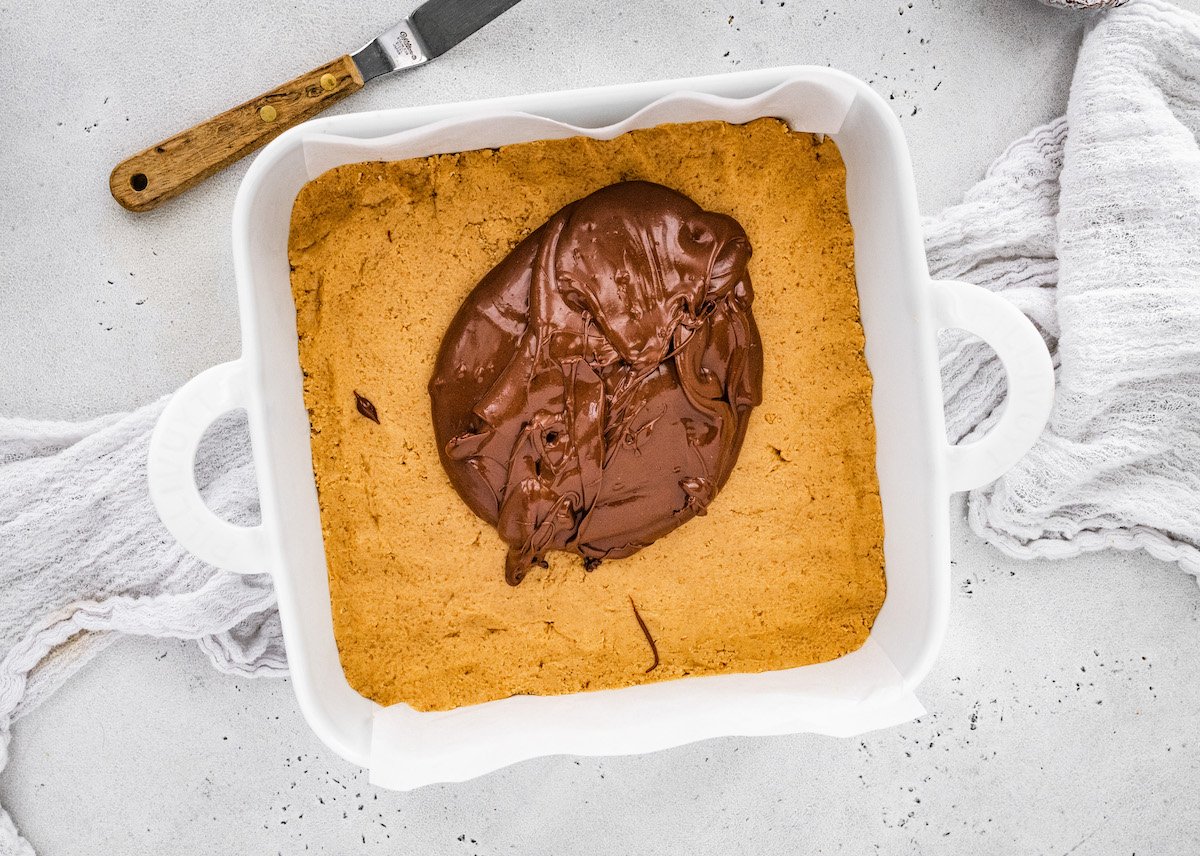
{"x":901,"y":311}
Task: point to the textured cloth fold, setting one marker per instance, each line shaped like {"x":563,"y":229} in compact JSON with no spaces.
{"x":83,"y":557}
{"x":1090,"y":225}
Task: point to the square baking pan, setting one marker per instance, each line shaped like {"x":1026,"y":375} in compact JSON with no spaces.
{"x":902,"y":309}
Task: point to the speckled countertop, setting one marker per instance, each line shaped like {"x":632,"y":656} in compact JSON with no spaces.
{"x":1063,"y":708}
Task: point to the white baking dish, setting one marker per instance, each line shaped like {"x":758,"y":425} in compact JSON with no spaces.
{"x":901,"y":311}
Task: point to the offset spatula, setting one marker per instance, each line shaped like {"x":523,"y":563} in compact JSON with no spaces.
{"x":178,"y":163}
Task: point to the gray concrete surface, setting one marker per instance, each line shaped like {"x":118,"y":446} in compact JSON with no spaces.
{"x":1063,"y":711}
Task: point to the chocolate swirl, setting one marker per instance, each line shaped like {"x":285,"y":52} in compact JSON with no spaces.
{"x":592,"y":392}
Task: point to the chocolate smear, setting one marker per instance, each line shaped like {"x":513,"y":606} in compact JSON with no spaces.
{"x":593,"y":391}
{"x":365,"y":407}
{"x":646,"y":633}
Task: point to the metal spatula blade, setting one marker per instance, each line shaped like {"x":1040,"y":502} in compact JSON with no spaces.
{"x":442,"y":24}
{"x":429,"y":32}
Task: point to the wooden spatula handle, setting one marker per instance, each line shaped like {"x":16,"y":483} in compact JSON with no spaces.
{"x":178,"y":163}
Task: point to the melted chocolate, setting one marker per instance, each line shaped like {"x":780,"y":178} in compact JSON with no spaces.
{"x":592,"y":392}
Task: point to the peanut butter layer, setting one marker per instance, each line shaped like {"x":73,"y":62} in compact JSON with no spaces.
{"x":785,"y":568}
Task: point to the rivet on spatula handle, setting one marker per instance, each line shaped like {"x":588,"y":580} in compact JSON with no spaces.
{"x":178,"y":163}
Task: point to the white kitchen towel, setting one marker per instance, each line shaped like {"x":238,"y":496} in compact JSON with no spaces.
{"x":83,"y":558}
{"x":1091,"y":225}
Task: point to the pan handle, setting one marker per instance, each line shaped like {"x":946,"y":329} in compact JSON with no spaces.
{"x":171,"y":473}
{"x":1030,"y":381}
